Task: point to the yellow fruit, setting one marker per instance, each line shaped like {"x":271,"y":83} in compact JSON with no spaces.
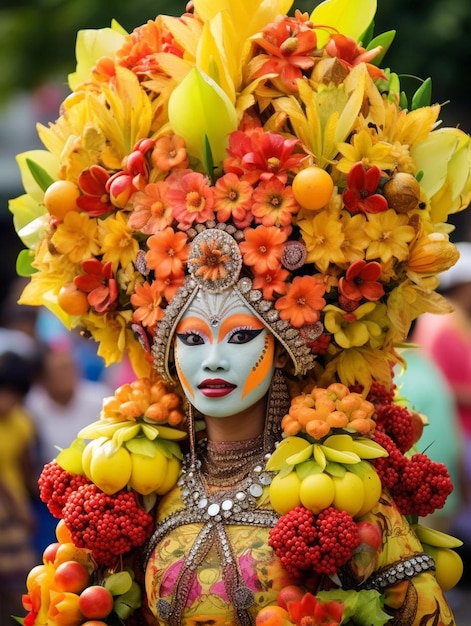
{"x":284,"y":492}
{"x":349,"y":493}
{"x":312,"y":187}
{"x":110,"y":471}
{"x":61,"y":197}
{"x":371,"y":484}
{"x":148,"y":473}
{"x":448,"y":563}
{"x":171,"y":476}
{"x":317,"y":492}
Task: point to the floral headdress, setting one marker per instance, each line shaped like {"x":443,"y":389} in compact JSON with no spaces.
{"x":237,"y":143}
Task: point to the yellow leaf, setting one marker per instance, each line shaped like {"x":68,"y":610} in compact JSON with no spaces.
{"x":349,"y":17}
{"x":91,"y":44}
{"x":46,"y":160}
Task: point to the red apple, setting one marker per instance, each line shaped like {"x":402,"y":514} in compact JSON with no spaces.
{"x":96,"y":602}
{"x":369,"y":535}
{"x":71,"y":576}
{"x":290,"y":593}
{"x":49,"y":554}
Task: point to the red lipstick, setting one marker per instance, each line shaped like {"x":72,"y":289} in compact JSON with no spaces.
{"x":216,"y":387}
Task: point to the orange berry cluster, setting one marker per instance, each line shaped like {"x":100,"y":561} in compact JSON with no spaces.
{"x":143,"y":398}
{"x":322,"y":410}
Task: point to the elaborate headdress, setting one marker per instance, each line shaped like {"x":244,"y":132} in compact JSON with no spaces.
{"x":238,"y":146}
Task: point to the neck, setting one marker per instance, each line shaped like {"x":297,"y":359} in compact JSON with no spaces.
{"x":241,"y":426}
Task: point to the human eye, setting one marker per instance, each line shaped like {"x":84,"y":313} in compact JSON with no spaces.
{"x":244,"y":335}
{"x":190,"y":338}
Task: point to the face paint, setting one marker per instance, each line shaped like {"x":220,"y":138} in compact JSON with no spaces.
{"x":224,"y":355}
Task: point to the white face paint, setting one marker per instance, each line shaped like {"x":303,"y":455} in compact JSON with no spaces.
{"x":224,"y":355}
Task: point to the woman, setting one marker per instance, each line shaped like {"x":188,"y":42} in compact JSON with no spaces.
{"x":240,"y":202}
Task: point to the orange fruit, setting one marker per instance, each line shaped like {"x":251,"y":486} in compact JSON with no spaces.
{"x":312,"y":187}
{"x":61,"y":197}
{"x":62,"y":532}
{"x":72,"y":300}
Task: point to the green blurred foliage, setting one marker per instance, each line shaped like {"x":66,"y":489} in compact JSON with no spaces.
{"x":37,"y":39}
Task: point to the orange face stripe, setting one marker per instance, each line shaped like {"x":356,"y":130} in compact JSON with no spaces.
{"x":262,"y":368}
{"x":195,"y":323}
{"x":238,"y":320}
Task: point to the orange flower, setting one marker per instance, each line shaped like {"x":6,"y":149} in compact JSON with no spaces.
{"x":147,"y":299}
{"x":191,"y":198}
{"x":272,"y":281}
{"x":263,"y":247}
{"x":168,"y":251}
{"x":169,"y":153}
{"x":211,"y":262}
{"x":169,"y":286}
{"x":303,"y":302}
{"x":274,"y":204}
{"x":151,"y":212}
{"x":233,"y":198}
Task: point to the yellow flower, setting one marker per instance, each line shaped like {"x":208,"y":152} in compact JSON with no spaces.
{"x":359,"y":365}
{"x":363,"y":149}
{"x":432,"y":254}
{"x":323,"y":237}
{"x":355,"y":328}
{"x":445,"y":158}
{"x":91,"y":44}
{"x":117,"y":242}
{"x":355,"y":240}
{"x":77,"y":237}
{"x":390,"y":234}
{"x":408,"y":300}
{"x":53,"y":271}
{"x":114,"y":337}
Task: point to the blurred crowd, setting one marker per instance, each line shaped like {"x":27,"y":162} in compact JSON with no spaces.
{"x":52,"y":383}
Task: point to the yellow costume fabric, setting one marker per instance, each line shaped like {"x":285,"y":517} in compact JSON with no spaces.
{"x":412,"y":602}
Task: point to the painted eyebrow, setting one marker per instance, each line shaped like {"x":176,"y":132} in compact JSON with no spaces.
{"x":190,"y":324}
{"x":238,"y":320}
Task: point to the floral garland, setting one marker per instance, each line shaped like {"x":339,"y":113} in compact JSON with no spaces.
{"x":336,"y":188}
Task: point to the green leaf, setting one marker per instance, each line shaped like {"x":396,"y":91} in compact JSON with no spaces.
{"x":384,"y":40}
{"x":118,"y":583}
{"x":208,"y":158}
{"x":169,"y":448}
{"x":423,"y":95}
{"x":141,"y":445}
{"x":307,"y":468}
{"x":23,"y":263}
{"x":361,"y":608}
{"x":39,"y":174}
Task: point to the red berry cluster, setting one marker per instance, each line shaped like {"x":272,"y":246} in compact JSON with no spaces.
{"x":320,"y":543}
{"x":377,"y":394}
{"x":107,"y":525}
{"x":56,"y":485}
{"x":396,"y":421}
{"x":418,"y":485}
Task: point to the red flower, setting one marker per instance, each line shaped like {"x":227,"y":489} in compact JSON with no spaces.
{"x":361,"y":281}
{"x":289,"y":43}
{"x":258,"y":155}
{"x":100,"y":285}
{"x":360,"y":195}
{"x":310,"y":612}
{"x":95,"y":199}
{"x":350,"y":54}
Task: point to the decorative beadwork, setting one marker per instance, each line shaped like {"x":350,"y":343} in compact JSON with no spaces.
{"x":401,"y":570}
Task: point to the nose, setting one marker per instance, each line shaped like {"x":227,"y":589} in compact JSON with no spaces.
{"x":214,"y":359}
